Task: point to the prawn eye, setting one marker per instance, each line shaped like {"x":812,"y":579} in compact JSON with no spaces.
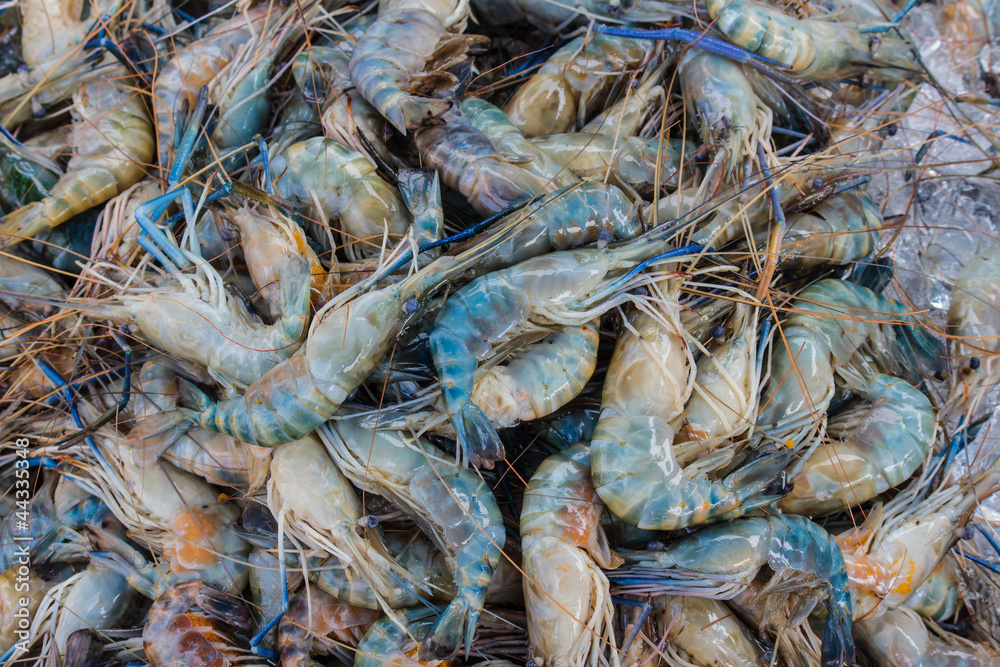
{"x":974,"y":363}
{"x":968,"y":534}
{"x":371,"y":521}
{"x":718,"y":331}
{"x":817,"y":183}
{"x":411,"y":306}
{"x":605,"y":236}
{"x":891,"y":130}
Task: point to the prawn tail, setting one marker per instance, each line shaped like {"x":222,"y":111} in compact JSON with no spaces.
{"x":153,"y":436}
{"x":760,"y":482}
{"x":920,"y":347}
{"x":298,"y":658}
{"x":211,"y":415}
{"x":196,"y":398}
{"x":83,"y":647}
{"x":478,"y":438}
{"x":23,"y":224}
{"x":458,"y":622}
{"x":294,"y":291}
{"x":414,"y":112}
{"x":838,"y":645}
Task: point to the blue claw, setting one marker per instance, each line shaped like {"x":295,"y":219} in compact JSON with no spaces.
{"x":102,"y":41}
{"x":647,"y":609}
{"x":772,"y":192}
{"x":679,"y":252}
{"x":990,"y":539}
{"x":255,"y":641}
{"x":44,"y":462}
{"x":963,"y":435}
{"x":147,"y":244}
{"x":904,"y":10}
{"x":10,"y":137}
{"x":146,"y":215}
{"x":222,"y":191}
{"x":765,"y":330}
{"x":64,"y":389}
{"x":189,"y":139}
{"x":992,"y":567}
{"x":539,"y":57}
{"x":694,"y":38}
{"x":266,"y":161}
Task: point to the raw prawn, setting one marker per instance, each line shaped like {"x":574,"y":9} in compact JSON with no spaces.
{"x":112,"y":145}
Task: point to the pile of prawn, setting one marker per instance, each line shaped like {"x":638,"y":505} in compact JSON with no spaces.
{"x":478,"y":332}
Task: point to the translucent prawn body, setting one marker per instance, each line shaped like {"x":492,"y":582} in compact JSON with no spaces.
{"x":331,"y":181}
{"x":192,"y":67}
{"x":467,"y":161}
{"x":813,"y":49}
{"x":454,"y":507}
{"x":396,"y":50}
{"x":572,"y":82}
{"x":731,"y":117}
{"x":839,"y":230}
{"x":900,"y":637}
{"x":707,"y":632}
{"x":630,"y":162}
{"x":973,"y":319}
{"x":112,"y":141}
{"x":199,"y":321}
{"x":567,"y":597}
{"x":874,"y":448}
{"x":531,"y":297}
{"x":830,"y":322}
{"x":802,"y":555}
